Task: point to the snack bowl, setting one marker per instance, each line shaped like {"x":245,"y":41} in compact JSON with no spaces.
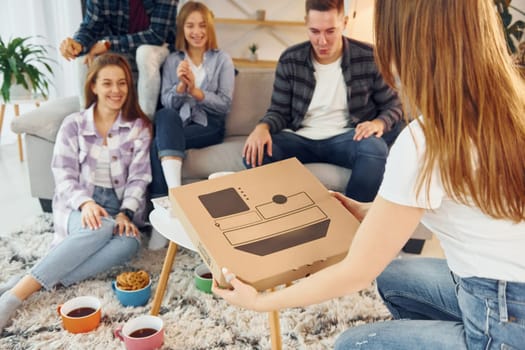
{"x":137,"y":297}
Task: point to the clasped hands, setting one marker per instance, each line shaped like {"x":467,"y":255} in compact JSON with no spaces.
{"x":186,"y":78}
{"x":92,"y":214}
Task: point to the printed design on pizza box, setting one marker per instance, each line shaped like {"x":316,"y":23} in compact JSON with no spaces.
{"x":284,"y":222}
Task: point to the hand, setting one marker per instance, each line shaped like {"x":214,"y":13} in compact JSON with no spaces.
{"x":98,"y":49}
{"x":357,"y":209}
{"x":91,"y":214}
{"x":366,"y":129}
{"x":253,"y":150}
{"x":242,"y":295}
{"x":185,"y":75}
{"x":124,"y":226}
{"x":70,"y":49}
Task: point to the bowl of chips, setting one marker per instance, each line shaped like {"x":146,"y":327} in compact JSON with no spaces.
{"x":132,"y":288}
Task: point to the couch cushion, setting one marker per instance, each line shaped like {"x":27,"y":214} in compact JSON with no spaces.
{"x":45,"y":120}
{"x":251,"y":98}
{"x":226,"y":156}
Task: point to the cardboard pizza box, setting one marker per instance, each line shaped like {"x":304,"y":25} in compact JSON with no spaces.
{"x":269,"y":225}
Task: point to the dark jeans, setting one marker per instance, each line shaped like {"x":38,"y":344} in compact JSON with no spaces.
{"x":366,"y":158}
{"x":173,"y":139}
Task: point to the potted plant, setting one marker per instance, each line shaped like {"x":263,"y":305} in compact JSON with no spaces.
{"x":24,"y":65}
{"x":253,"y":51}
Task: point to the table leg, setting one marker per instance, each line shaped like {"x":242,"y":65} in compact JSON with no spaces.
{"x":163,"y":279}
{"x":275,"y":330}
{"x":2,"y":112}
{"x":18,"y":136}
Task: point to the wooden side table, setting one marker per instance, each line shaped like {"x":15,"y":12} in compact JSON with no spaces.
{"x":16,"y":107}
{"x":176,"y":235}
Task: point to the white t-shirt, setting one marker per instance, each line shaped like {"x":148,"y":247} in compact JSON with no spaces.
{"x":327,"y":114}
{"x":103,"y":171}
{"x":474,"y":243}
{"x":198,"y":72}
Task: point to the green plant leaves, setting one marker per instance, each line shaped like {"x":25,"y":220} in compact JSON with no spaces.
{"x":26,"y":64}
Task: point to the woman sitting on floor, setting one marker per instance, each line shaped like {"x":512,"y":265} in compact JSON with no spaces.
{"x":101,"y":169}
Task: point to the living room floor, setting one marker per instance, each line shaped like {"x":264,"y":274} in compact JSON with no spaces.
{"x":17,"y":206}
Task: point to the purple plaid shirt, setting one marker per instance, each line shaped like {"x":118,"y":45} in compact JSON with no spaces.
{"x":75,"y":155}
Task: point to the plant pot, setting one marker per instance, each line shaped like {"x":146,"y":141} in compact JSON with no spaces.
{"x":253,"y":57}
{"x":19,"y":92}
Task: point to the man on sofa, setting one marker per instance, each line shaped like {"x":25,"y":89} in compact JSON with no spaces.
{"x":139,"y":29}
{"x":329,"y":104}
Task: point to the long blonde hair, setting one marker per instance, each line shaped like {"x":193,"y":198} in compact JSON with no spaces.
{"x":454,"y":68}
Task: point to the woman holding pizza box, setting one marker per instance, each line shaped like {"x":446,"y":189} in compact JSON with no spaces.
{"x":459,"y":169}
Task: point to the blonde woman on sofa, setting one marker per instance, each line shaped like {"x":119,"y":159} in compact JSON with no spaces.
{"x":101,"y":169}
{"x":197,"y":89}
{"x":459,"y":169}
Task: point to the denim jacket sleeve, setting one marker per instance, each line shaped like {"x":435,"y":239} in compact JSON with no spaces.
{"x":218,"y":91}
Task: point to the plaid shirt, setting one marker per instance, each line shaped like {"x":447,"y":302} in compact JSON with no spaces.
{"x":109,"y":20}
{"x":74,"y":162}
{"x":368,"y":96}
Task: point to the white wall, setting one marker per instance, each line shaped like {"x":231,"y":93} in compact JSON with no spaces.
{"x":51,"y":19}
{"x":235,"y":39}
{"x":360,"y":20}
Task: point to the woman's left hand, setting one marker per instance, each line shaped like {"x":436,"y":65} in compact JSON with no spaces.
{"x":124,"y":226}
{"x":242,"y":294}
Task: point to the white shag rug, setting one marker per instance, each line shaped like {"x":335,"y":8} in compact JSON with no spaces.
{"x":193,"y":320}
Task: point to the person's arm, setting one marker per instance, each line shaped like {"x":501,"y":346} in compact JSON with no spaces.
{"x":219,"y":101}
{"x":379,"y":238}
{"x":279,"y":114}
{"x":92,"y":26}
{"x":65,"y":164}
{"x":139,"y":169}
{"x":388,"y":102}
{"x":162,"y":20}
{"x":170,"y":96}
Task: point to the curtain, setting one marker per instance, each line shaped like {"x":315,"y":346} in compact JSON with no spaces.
{"x":53,"y":20}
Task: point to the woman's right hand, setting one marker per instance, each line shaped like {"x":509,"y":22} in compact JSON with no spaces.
{"x":91,"y":215}
{"x":357,"y":209}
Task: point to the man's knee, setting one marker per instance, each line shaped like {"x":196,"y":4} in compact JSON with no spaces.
{"x":373,"y":146}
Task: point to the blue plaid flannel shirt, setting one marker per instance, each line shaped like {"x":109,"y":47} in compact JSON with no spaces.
{"x":109,"y":20}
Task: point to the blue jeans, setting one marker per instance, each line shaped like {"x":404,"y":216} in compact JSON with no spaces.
{"x":435,"y":309}
{"x":172,"y":138}
{"x":85,"y":253}
{"x":366,"y":158}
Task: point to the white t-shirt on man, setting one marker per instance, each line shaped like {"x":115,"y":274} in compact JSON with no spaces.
{"x":327,"y":115}
{"x":474,"y":243}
